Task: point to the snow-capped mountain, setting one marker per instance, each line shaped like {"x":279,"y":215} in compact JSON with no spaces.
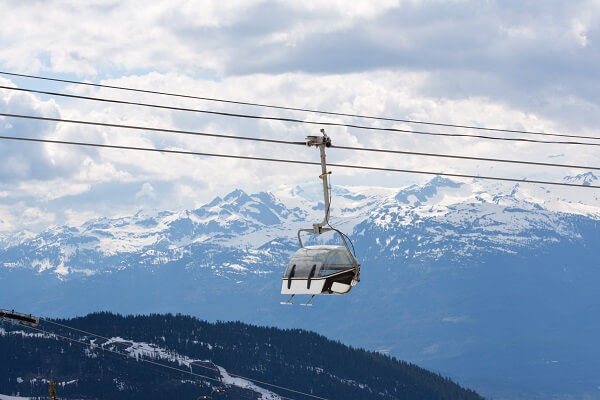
{"x":452,"y":272}
{"x":440,"y":220}
{"x":256,"y":231}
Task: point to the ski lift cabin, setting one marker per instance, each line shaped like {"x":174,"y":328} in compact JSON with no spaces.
{"x":319,"y":270}
{"x":315,"y":270}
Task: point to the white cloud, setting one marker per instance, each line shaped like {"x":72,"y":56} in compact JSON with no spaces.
{"x":459,"y":62}
{"x":455,"y":319}
{"x":50,"y":190}
{"x":20,"y":216}
{"x":580,"y":32}
{"x":77,"y":218}
{"x":35,"y":216}
{"x":77,"y":171}
{"x":146,"y":191}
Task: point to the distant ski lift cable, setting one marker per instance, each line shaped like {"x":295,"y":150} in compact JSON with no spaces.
{"x":167,"y":366}
{"x":301,"y":121}
{"x":308,"y":110}
{"x":119,"y":353}
{"x":286,"y":142}
{"x":240,"y":157}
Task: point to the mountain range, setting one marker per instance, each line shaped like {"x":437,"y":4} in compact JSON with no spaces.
{"x":493,"y":284}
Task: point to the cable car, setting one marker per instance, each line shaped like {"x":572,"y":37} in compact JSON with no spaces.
{"x":319,"y":270}
{"x":322,"y":269}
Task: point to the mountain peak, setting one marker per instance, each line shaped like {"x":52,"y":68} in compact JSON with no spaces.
{"x":586,"y":178}
{"x":440,"y":181}
{"x":421,"y":193}
{"x":235,"y":195}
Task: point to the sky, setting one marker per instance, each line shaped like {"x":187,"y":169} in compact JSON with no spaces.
{"x":531,"y":65}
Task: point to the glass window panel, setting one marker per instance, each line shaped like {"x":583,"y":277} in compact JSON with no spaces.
{"x":328,"y":260}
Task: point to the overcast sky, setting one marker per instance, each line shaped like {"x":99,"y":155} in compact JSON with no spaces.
{"x":531,"y":65}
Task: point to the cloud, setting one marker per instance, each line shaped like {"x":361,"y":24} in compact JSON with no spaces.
{"x":35,"y":216}
{"x":432,"y":349}
{"x":17,"y":159}
{"x":48,"y":190}
{"x":76,"y":175}
{"x":504,"y":64}
{"x":455,"y":319}
{"x":538,"y":56}
{"x":20,"y":216}
{"x":77,"y":218}
{"x":146,"y":191}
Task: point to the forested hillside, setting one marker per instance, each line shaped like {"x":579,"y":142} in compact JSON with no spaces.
{"x":296,"y":359}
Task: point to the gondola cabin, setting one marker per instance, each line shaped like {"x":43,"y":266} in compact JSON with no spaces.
{"x":315,"y":270}
{"x":320,"y":270}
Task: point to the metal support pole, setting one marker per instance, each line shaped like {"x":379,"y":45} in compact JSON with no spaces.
{"x":322,"y":143}
{"x":318,"y":227}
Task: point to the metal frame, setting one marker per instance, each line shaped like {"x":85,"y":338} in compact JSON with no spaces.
{"x":16,"y":317}
{"x":322,"y":142}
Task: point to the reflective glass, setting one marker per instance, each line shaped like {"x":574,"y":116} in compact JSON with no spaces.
{"x":326,"y":260}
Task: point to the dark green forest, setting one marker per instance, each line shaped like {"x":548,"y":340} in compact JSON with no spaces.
{"x":297,"y":359}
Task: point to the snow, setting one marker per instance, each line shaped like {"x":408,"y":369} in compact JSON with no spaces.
{"x":121,"y":386}
{"x":243,"y":383}
{"x":501,"y":215}
{"x":125,"y":242}
{"x":236,"y":267}
{"x":6,"y":397}
{"x":3,"y":332}
{"x":42,"y":265}
{"x":147,"y":350}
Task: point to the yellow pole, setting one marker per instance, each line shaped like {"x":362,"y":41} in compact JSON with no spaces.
{"x":52,"y":391}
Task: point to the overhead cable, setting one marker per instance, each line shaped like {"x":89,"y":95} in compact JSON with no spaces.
{"x":147,"y":128}
{"x":309,"y":110}
{"x":240,"y":157}
{"x":122,"y":354}
{"x":275,"y":141}
{"x":295,"y":120}
{"x":499,"y":160}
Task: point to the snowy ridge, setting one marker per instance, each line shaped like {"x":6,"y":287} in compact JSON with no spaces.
{"x":241,"y":234}
{"x":243,"y":383}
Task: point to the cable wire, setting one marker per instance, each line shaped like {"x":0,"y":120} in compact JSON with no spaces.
{"x":309,"y":110}
{"x":91,"y":345}
{"x":120,"y":353}
{"x":257,"y":381}
{"x":278,"y":160}
{"x":148,"y":128}
{"x":275,"y":141}
{"x":328,"y":177}
{"x":294,"y":120}
{"x":177,"y":369}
